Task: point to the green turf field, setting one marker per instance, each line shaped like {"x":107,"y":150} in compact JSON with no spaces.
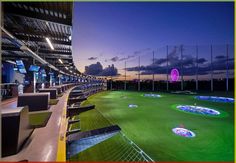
{"x":39,"y":119}
{"x":150,"y":127}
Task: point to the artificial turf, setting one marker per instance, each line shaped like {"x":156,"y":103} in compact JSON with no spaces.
{"x":150,"y":126}
{"x":53,"y":101}
{"x":39,"y":119}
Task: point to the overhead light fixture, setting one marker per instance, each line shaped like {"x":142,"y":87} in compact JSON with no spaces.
{"x":60,"y":61}
{"x":70,"y":38}
{"x":49,"y":43}
{"x":12,"y":62}
{"x":66,"y":68}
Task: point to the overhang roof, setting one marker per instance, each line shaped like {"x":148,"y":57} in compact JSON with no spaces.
{"x":32,"y":22}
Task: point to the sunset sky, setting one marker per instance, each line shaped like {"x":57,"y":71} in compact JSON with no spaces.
{"x":115,"y":32}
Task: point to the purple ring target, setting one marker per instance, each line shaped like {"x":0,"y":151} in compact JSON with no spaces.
{"x":174,"y":74}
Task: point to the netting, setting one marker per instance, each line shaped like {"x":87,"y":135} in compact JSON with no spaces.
{"x":116,"y":148}
{"x":201,"y":67}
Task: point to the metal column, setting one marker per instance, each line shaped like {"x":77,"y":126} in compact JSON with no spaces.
{"x":153,"y":77}
{"x":139,"y":74}
{"x":196,"y":68}
{"x":167,"y":73}
{"x":227,"y":67}
{"x":125,"y":77}
{"x":211,"y":71}
{"x":182,"y":80}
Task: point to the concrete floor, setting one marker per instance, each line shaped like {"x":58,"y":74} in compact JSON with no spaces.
{"x":42,"y":144}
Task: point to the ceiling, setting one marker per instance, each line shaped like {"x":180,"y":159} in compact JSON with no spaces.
{"x":32,"y":23}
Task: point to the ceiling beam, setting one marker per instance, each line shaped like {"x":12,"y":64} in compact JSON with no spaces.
{"x":49,"y":51}
{"x":36,"y":39}
{"x":11,"y":10}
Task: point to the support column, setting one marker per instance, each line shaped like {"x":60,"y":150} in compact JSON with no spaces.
{"x":167,"y":67}
{"x":34,"y":82}
{"x":211,"y":71}
{"x":196,"y":68}
{"x":125,"y":77}
{"x":227,"y":67}
{"x":59,"y":79}
{"x":153,"y":77}
{"x":111,"y":83}
{"x":139,"y":74}
{"x":50,"y":79}
{"x":182,"y":79}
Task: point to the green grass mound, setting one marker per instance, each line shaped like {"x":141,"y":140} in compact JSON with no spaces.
{"x":39,"y":119}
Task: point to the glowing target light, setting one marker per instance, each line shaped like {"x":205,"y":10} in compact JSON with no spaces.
{"x":174,"y":74}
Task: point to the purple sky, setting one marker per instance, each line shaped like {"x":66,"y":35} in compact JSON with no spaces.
{"x":109,"y":31}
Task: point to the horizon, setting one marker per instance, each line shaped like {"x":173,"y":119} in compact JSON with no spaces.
{"x":112,"y":33}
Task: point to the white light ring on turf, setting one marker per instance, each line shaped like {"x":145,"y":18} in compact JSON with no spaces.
{"x":132,"y":106}
{"x":183,"y":132}
{"x":198,"y":110}
{"x":152,"y":95}
{"x":215,"y":99}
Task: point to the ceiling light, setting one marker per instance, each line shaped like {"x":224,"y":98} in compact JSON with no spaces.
{"x":60,"y":61}
{"x":49,"y":43}
{"x":12,"y":62}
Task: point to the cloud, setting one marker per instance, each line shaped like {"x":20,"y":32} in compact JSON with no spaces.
{"x":137,"y":52}
{"x":114,"y":59}
{"x":117,"y":59}
{"x":97,"y":70}
{"x":92,"y":58}
{"x":126,"y":58}
{"x":188,"y":63}
{"x":201,"y":60}
{"x":220,"y":57}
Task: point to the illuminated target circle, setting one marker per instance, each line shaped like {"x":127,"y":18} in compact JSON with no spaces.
{"x":174,"y":74}
{"x":183,"y":132}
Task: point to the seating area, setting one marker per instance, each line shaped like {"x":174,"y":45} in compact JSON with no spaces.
{"x":52,"y":91}
{"x":15,"y":129}
{"x":34,"y":113}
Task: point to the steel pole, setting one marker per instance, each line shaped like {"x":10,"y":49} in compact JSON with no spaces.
{"x":153,"y":77}
{"x":167,"y":73}
{"x":139,"y":74}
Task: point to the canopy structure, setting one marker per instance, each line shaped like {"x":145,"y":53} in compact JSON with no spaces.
{"x":42,"y":31}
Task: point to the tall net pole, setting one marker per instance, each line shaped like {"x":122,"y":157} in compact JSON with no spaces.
{"x":227,"y":67}
{"x":125,"y":77}
{"x":211,"y":71}
{"x":139,"y":73}
{"x":182,"y":80}
{"x":153,"y":77}
{"x":167,"y":73}
{"x":196,"y":68}
{"x":111,"y":83}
